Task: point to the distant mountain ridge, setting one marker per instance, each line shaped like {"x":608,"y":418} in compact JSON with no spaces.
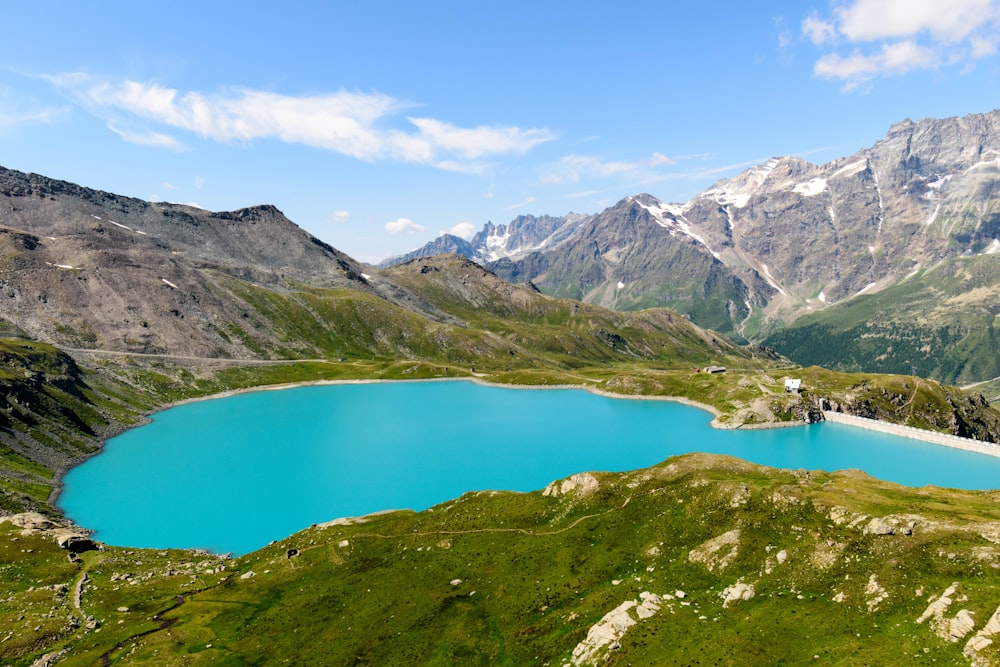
{"x":755,"y":255}
{"x":523,"y":235}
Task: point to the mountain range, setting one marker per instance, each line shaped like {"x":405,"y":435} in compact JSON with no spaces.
{"x":112,"y":308}
{"x":885,"y":260}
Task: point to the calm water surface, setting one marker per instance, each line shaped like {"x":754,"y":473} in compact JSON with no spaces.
{"x":232,"y":474}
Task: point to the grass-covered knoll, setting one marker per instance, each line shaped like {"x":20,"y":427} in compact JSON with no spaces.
{"x":565,"y":330}
{"x":749,"y":566}
{"x":941,"y":323}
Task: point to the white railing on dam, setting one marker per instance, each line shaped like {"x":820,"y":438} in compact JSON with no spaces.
{"x":945,"y":439}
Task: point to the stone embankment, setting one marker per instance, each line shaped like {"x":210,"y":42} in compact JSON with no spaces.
{"x":916,"y":433}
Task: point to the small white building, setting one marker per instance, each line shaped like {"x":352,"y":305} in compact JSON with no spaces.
{"x":793,"y":385}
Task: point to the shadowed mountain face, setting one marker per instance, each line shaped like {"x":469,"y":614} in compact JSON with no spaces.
{"x":756,"y":255}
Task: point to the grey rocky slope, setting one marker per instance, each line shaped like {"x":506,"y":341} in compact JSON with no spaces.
{"x":764,"y":250}
{"x":82,"y":268}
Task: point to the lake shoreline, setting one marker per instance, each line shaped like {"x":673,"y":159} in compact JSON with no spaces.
{"x":931,"y":437}
{"x":923,"y":435}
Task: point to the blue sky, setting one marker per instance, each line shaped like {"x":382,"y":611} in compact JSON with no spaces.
{"x":376,"y":126}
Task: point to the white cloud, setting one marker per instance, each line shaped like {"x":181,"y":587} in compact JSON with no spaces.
{"x":400,"y":225}
{"x":872,"y":20}
{"x":350,"y":123}
{"x":464,"y":230}
{"x":889,"y":38}
{"x":168,"y":186}
{"x":479,"y":141}
{"x":339,"y":217}
{"x":572,"y":168}
{"x":817,"y":30}
{"x":199,"y":182}
{"x":893,"y":59}
{"x":983,"y":47}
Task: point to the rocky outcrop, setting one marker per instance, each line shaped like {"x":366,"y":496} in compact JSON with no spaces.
{"x":67,"y":537}
{"x":605,"y":635}
{"x":718,"y":552}
{"x":737,"y":592}
{"x":581,"y":484}
{"x":957,"y":627}
{"x":890,"y":525}
{"x":982,"y":640}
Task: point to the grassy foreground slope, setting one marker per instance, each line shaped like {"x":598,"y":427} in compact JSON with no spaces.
{"x":700,"y":560}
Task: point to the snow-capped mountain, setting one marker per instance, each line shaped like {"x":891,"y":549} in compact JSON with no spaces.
{"x":781,"y":240}
{"x":523,"y":235}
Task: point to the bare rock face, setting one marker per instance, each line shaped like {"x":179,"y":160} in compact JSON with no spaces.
{"x":582,"y":484}
{"x":736,"y":593}
{"x":70,"y":538}
{"x":890,"y":525}
{"x":718,"y":552}
{"x":605,"y":635}
{"x":89,"y":269}
{"x":75,"y":542}
{"x":30,"y":522}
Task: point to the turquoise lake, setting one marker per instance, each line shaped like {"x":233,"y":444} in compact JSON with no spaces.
{"x":232,"y":474}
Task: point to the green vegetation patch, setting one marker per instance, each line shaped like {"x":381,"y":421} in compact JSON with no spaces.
{"x":748,"y":565}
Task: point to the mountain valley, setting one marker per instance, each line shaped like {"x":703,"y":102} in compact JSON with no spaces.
{"x":776,"y":252}
{"x":112,"y":308}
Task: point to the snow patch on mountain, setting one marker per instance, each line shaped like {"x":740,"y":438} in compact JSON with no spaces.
{"x":508,"y":241}
{"x":934,"y":186}
{"x":496,"y":243}
{"x":985,"y":163}
{"x":930,"y":220}
{"x":851,"y":169}
{"x":811,"y":188}
{"x":770,"y":279}
{"x":760,"y":174}
{"x":726,"y":197}
{"x":737,"y":192}
{"x":666,"y":217}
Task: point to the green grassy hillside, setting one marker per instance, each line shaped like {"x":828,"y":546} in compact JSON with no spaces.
{"x":941,"y":323}
{"x":707,"y":560}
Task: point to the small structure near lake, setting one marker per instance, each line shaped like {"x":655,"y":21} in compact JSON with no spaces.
{"x":713,"y":369}
{"x":793,"y":385}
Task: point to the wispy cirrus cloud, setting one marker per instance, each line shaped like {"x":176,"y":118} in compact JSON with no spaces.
{"x":147,"y":138}
{"x":574,"y":168}
{"x":355,"y":124}
{"x":869,"y":39}
{"x":15,"y":112}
